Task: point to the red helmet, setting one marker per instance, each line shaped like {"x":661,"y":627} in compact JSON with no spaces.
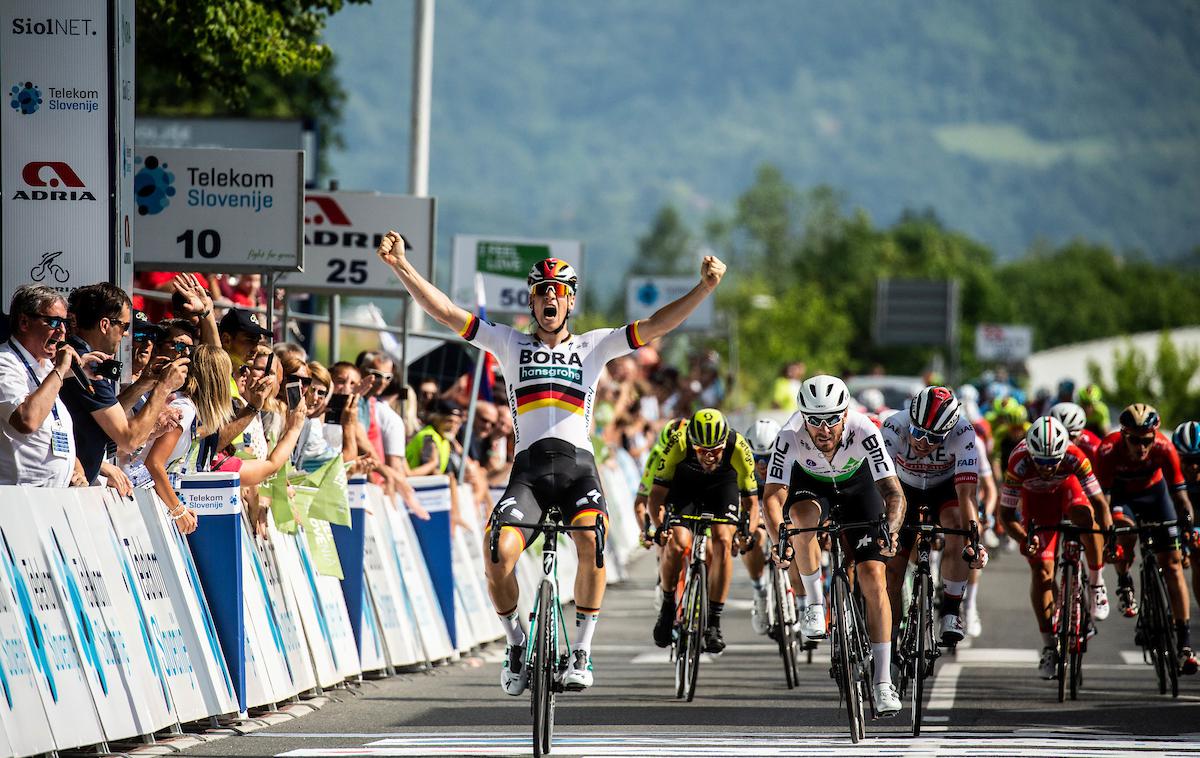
{"x":553,"y":270}
{"x":935,"y":410}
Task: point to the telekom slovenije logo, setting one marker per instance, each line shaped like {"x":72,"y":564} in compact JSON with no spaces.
{"x":152,"y":186}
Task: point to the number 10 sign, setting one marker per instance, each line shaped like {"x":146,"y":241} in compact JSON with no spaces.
{"x":224,"y":211}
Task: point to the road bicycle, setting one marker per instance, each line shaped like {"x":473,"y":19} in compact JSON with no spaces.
{"x":782,"y":621}
{"x":850,"y":648}
{"x":1073,"y":621}
{"x":1155,"y":630}
{"x":543,"y":656}
{"x":919,"y":647}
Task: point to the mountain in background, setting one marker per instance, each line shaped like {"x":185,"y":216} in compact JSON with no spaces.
{"x":1018,"y":122}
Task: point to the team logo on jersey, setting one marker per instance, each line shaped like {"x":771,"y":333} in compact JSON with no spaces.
{"x":543,"y":364}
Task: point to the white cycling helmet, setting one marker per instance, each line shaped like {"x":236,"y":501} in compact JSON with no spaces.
{"x":935,"y":410}
{"x":823,"y":394}
{"x":968,"y":394}
{"x":872,"y":399}
{"x":1071,"y":416}
{"x":1047,"y":438}
{"x":762,"y":436}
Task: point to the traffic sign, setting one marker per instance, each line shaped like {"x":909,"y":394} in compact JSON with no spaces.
{"x":916,"y":312}
{"x":224,"y":211}
{"x":1009,"y":343}
{"x":342,"y":231}
{"x":646,"y":294}
{"x":504,"y":264}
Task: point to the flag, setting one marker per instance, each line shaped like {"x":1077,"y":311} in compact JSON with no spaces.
{"x":487,"y":381}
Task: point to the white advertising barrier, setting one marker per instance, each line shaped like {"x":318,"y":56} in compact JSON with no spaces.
{"x":372,"y":655}
{"x":336,"y":622}
{"x":418,"y":587}
{"x":182,"y":587}
{"x":470,"y":602}
{"x":103,"y":645}
{"x":211,"y":209}
{"x":268,"y":671}
{"x":469,"y":543}
{"x":301,"y":585}
{"x":63,"y":678}
{"x":397,"y":622}
{"x":528,"y":570}
{"x":286,"y":616}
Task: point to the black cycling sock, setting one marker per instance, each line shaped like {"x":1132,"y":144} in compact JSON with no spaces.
{"x":951,"y":605}
{"x":1125,"y":580}
{"x":714,"y":614}
{"x":1183,"y":634}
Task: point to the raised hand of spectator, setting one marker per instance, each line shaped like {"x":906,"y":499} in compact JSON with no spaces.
{"x":87,"y":362}
{"x":116,"y":479}
{"x":196,"y":300}
{"x":350,"y":412}
{"x":365,"y":385}
{"x":259,"y":390}
{"x":167,"y":420}
{"x":297,"y":416}
{"x":175,"y":374}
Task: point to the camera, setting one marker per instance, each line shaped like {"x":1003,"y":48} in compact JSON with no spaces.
{"x":333,"y":411}
{"x":110,"y":369}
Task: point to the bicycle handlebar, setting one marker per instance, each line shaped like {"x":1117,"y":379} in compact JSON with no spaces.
{"x":786,"y":552}
{"x":551,"y":528}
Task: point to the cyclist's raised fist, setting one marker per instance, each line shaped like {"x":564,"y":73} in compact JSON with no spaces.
{"x":391,"y":249}
{"x":711,"y":271}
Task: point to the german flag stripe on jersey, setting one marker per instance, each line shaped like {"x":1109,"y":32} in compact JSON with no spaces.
{"x":472,"y":326}
{"x":634,"y":336}
{"x":550,"y":395}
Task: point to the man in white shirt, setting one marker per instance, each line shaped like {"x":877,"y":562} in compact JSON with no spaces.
{"x":37,"y":445}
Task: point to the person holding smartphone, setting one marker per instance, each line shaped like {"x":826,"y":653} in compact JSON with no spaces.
{"x":329,"y":430}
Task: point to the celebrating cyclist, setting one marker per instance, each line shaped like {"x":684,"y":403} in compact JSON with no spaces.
{"x":551,"y":377}
{"x":1074,"y":420}
{"x":1140,"y":469}
{"x":828,"y":455}
{"x":708,"y":470}
{"x":1187,"y":443}
{"x":1051,"y":479}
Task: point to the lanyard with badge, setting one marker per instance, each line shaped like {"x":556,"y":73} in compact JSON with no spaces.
{"x":60,"y":442}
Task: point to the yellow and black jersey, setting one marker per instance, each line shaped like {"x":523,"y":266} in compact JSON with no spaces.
{"x":738,"y":459}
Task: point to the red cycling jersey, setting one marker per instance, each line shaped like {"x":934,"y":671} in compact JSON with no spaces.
{"x":1089,"y":443}
{"x":1024,"y":477}
{"x":1119,"y":472}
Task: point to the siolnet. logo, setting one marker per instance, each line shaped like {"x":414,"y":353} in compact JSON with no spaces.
{"x":152,"y":186}
{"x":26,"y":98}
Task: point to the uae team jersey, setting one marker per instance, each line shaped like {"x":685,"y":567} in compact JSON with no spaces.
{"x":551,"y":389}
{"x":957,"y":457}
{"x":861,"y":445}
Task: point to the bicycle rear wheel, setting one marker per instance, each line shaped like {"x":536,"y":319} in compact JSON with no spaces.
{"x":1166,"y":626}
{"x":786,"y":631}
{"x":542,"y":680}
{"x":697,"y":618}
{"x":922,"y":597}
{"x":843,"y":643}
{"x":1062,"y":631}
{"x":1150,"y":619}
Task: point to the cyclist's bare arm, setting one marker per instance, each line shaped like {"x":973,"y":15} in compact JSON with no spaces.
{"x":431,"y":299}
{"x":968,"y":501}
{"x":1100,"y":510}
{"x":676,"y":312}
{"x":893,"y":501}
{"x":1183,"y":506}
{"x":750,"y":505}
{"x":658,"y":497}
{"x":774,"y":496}
{"x":1012,"y":524}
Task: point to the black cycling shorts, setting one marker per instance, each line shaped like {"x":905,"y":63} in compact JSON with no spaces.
{"x":549,"y":473}
{"x":858,"y":499}
{"x":935,"y":499}
{"x":1151,"y":504}
{"x":694,"y":495}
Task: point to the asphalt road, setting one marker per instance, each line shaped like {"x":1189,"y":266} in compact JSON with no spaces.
{"x":985,"y":700}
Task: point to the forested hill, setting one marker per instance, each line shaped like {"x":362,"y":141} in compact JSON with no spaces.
{"x":1015,"y":121}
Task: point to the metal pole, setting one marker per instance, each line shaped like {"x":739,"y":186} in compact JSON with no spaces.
{"x":284,"y":315}
{"x":422,"y":93}
{"x":335,"y":328}
{"x":404,"y":342}
{"x":271,"y":304}
{"x":462,"y":470}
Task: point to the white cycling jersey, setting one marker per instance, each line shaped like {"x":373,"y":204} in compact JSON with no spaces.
{"x":551,"y":389}
{"x":957,"y":457}
{"x":861,"y":444}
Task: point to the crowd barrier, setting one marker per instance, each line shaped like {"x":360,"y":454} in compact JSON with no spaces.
{"x":113,"y":626}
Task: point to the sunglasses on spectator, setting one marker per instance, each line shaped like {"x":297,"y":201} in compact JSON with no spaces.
{"x":305,"y":381}
{"x":380,"y":375}
{"x":917,"y":434}
{"x":1140,"y":441}
{"x":123,"y":325}
{"x":1045,"y":462}
{"x":319,"y":390}
{"x":822,"y":419}
{"x":549,"y":289}
{"x":54,"y":322}
{"x":182,"y":349}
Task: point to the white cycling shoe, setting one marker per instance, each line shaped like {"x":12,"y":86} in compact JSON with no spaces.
{"x":952,"y":629}
{"x":514,"y":674}
{"x":887,"y":700}
{"x":758,"y":615}
{"x":1100,"y":607}
{"x":578,"y":675}
{"x":812,"y":623}
{"x":1048,"y":665}
{"x":974,"y":623}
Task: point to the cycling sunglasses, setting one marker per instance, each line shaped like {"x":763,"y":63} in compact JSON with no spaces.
{"x":550,"y":289}
{"x":709,"y":452}
{"x":822,"y":419}
{"x":1140,"y":441}
{"x":1045,"y":462}
{"x":918,"y":435}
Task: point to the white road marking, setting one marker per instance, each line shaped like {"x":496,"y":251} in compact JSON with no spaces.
{"x":1133,"y":656}
{"x":661,"y":654}
{"x":945,"y":683}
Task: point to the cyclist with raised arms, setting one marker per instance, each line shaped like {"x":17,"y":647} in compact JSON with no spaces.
{"x":937,"y":461}
{"x":1050,"y":479}
{"x":827,"y":455}
{"x":708,"y":469}
{"x":551,"y":377}
{"x":1140,"y":469}
{"x":1187,"y":443}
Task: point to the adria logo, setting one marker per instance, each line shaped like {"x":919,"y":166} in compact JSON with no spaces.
{"x":63,"y":183}
{"x":327,"y":211}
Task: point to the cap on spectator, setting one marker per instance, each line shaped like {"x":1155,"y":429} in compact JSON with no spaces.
{"x":237,"y":320}
{"x":445,"y":407}
{"x":144,"y":330}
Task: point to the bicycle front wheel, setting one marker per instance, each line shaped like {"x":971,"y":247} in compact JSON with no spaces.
{"x":697,"y":617}
{"x":786,"y":631}
{"x":922,"y":598}
{"x":542,"y":678}
{"x":1150,"y":620}
{"x":1166,"y":629}
{"x":843,"y":642}
{"x":1079,"y":629}
{"x":1062,"y":631}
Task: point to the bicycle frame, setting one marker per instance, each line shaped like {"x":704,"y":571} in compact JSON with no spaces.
{"x":1155,"y":624}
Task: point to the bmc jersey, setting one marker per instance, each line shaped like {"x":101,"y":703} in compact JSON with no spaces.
{"x":1119,"y":472}
{"x":861,"y":445}
{"x":957,"y":457}
{"x":1023,"y":476}
{"x":551,"y":389}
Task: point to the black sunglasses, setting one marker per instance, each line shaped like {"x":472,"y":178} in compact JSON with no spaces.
{"x":305,"y":381}
{"x":182,"y":349}
{"x":1146,"y":441}
{"x":54,"y":322}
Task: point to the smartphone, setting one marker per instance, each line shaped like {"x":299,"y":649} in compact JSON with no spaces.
{"x":110,"y":369}
{"x":292,"y":389}
{"x":270,"y":363}
{"x":333,"y":411}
